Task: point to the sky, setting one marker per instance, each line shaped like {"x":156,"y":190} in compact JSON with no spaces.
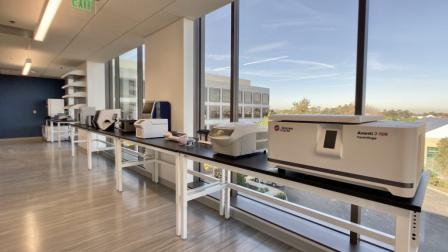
{"x":307,"y":48}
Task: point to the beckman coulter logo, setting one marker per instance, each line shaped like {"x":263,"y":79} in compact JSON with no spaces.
{"x":282,"y":129}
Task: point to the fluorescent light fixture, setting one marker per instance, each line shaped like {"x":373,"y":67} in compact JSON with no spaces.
{"x":45,"y":21}
{"x":26,"y":67}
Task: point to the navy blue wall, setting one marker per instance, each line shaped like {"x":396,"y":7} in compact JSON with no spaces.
{"x":19,"y":96}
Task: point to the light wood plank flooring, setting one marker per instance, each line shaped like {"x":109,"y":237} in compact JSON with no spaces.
{"x":49,"y":201}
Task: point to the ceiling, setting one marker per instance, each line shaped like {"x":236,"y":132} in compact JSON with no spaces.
{"x":113,"y":27}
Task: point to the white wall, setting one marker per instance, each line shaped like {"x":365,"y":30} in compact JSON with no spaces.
{"x":96,"y":89}
{"x":169,"y":76}
{"x":96,"y":85}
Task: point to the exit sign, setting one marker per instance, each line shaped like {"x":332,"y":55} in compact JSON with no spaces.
{"x":82,"y":4}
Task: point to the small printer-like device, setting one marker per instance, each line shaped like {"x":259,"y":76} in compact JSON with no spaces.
{"x":151,"y":128}
{"x":105,"y":119}
{"x":238,"y":139}
{"x":363,"y":150}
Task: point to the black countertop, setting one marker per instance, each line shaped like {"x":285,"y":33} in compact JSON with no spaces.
{"x":259,"y":163}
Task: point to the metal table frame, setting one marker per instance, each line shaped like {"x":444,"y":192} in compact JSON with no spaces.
{"x":407,"y":222}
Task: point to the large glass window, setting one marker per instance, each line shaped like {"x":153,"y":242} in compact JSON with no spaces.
{"x":217,"y":64}
{"x":297,"y":57}
{"x":300,"y":57}
{"x":407,"y":79}
{"x":128,"y":84}
{"x":302,"y":52}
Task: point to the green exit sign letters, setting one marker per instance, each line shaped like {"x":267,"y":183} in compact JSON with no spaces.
{"x":82,"y":4}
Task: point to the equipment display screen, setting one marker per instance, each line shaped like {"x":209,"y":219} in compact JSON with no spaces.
{"x":330,"y":139}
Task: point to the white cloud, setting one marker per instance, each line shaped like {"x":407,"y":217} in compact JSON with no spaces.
{"x":308,"y":62}
{"x":267,"y":47}
{"x":307,"y":77}
{"x":220,"y":69}
{"x":265,"y":60}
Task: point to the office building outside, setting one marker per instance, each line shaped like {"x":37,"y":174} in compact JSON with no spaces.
{"x":253,"y":101}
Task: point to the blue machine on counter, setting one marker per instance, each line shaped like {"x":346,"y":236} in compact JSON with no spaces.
{"x":157,"y":110}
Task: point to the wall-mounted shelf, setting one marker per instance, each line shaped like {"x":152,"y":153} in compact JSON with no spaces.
{"x":74,"y":73}
{"x":76,"y":106}
{"x":75,"y":91}
{"x":80,"y":84}
{"x":76,"y":95}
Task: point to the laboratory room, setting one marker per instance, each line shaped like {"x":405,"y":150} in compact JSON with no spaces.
{"x":220,"y":125}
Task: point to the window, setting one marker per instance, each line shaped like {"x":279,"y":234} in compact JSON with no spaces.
{"x":226,"y":96}
{"x":265,"y":112}
{"x":215,"y":112}
{"x":257,"y":112}
{"x":265,"y":98}
{"x":215,"y":94}
{"x":247,"y":112}
{"x":407,"y":79}
{"x":300,"y":57}
{"x":226,"y":112}
{"x":216,"y":29}
{"x":302,"y":52}
{"x":257,"y":98}
{"x":247,"y":97}
{"x":126,"y":83}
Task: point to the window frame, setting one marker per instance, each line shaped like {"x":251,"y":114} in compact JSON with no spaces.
{"x":113,"y":80}
{"x":235,"y":104}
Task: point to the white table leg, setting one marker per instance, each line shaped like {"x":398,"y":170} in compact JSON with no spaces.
{"x":59,"y":134}
{"x":89,"y":149}
{"x":155,"y":175}
{"x":415,"y":231}
{"x":222,"y":202}
{"x":177,"y":169}
{"x":72,"y":139}
{"x":403,"y":232}
{"x":183,"y":196}
{"x":51,"y":132}
{"x":227,"y":195}
{"x":118,"y":165}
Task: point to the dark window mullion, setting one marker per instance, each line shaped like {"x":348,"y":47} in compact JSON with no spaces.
{"x":361,"y":59}
{"x":234,"y":60}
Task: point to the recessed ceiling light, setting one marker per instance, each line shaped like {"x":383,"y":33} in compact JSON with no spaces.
{"x":11,"y":21}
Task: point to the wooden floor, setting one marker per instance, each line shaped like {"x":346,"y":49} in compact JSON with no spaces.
{"x":49,"y":201}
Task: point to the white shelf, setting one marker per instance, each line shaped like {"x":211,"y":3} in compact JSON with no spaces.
{"x":74,"y":73}
{"x":76,"y":95}
{"x":75,"y":84}
{"x":76,"y":106}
